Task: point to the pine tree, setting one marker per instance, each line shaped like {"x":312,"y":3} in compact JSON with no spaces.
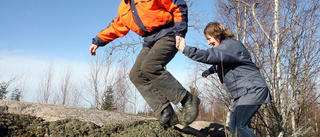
{"x":3,"y":90}
{"x":16,"y":95}
{"x":108,"y":99}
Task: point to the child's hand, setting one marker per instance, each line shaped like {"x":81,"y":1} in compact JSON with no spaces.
{"x":181,"y":45}
{"x":93,"y":49}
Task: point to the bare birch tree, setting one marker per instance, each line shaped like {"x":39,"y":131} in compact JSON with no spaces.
{"x":100,"y":78}
{"x":66,"y":86}
{"x":123,"y":96}
{"x":45,"y":85}
{"x":303,"y":65}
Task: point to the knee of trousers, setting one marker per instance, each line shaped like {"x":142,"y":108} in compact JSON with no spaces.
{"x":133,"y":75}
{"x":150,"y":70}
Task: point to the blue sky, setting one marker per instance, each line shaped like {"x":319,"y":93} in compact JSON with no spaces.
{"x":53,"y":28}
{"x":33,"y":32}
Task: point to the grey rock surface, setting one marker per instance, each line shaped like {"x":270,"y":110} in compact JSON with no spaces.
{"x":51,"y":112}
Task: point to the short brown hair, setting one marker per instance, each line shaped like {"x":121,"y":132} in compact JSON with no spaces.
{"x":217,"y":30}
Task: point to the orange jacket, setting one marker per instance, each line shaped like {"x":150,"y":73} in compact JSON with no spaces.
{"x":159,"y":18}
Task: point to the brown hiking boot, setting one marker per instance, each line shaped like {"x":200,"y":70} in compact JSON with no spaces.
{"x":168,"y":116}
{"x":191,"y":110}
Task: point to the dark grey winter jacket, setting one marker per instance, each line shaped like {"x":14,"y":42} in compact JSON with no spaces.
{"x":232,"y":61}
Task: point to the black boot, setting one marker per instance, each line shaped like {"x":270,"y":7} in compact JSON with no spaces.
{"x":168,"y":116}
{"x":190,"y":104}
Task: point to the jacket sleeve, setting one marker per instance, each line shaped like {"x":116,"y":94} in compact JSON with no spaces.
{"x":211,"y":56}
{"x":179,"y":10}
{"x":212,"y":69}
{"x":116,"y":29}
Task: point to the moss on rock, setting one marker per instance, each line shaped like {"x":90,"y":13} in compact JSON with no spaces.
{"x":27,"y":125}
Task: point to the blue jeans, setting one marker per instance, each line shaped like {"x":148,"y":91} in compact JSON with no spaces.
{"x":156,"y":85}
{"x":239,"y":119}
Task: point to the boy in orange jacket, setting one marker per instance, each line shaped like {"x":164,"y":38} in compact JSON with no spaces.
{"x":162,"y":24}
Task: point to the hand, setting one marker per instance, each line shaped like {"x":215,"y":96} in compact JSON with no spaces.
{"x":181,"y":45}
{"x":178,"y":39}
{"x":93,"y":49}
{"x":205,"y":73}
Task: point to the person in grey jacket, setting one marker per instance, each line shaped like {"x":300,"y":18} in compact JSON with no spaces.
{"x":232,"y":62}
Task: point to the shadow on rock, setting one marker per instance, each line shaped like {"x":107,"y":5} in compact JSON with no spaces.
{"x":203,"y":129}
{"x":215,"y":130}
